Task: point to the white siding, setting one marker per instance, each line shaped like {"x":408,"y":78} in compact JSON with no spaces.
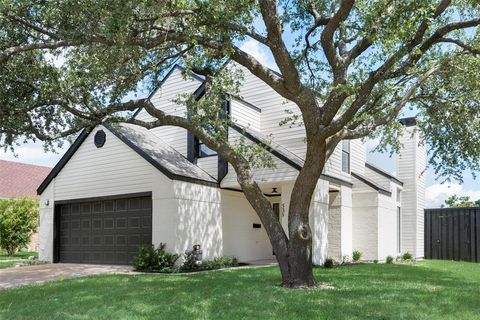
{"x":333,"y":166}
{"x":357,"y":156}
{"x":273,"y":106}
{"x":378,"y":178}
{"x":113,"y":169}
{"x":209,"y":164}
{"x":163,"y":99}
{"x":410,"y":169}
{"x":282,"y":171}
{"x":244,"y":115}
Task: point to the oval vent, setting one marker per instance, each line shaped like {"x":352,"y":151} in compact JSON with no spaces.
{"x":100,"y":138}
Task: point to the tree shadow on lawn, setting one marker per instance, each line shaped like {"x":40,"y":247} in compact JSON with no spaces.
{"x":363,"y":291}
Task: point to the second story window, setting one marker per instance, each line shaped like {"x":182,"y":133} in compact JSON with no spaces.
{"x":346,"y":156}
{"x":203,"y":150}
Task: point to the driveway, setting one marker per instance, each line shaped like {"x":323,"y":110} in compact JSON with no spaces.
{"x":20,"y":276}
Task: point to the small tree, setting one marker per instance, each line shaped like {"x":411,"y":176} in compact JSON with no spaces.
{"x":455,"y":201}
{"x":18,"y":220}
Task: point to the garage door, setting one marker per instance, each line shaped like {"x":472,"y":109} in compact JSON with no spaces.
{"x":104,"y":232}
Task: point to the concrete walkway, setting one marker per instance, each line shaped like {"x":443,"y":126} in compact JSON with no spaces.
{"x":20,"y":276}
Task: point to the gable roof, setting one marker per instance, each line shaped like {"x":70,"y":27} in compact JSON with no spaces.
{"x":165,"y":78}
{"x":160,"y":154}
{"x":20,"y":179}
{"x":150,"y":147}
{"x":283,"y":153}
{"x":383,"y":173}
{"x":372,"y":184}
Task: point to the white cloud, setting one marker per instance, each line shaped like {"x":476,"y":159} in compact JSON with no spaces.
{"x":436,"y":194}
{"x":260,"y":52}
{"x":33,"y":153}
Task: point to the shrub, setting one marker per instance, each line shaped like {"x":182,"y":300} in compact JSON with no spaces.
{"x":154,"y":260}
{"x":190,"y":262}
{"x":329,"y":263}
{"x":218,"y":263}
{"x":18,"y":220}
{"x":407,"y":256}
{"x":375,"y":261}
{"x":356,"y":255}
{"x":389,"y":259}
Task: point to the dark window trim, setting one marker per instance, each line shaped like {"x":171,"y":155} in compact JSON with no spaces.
{"x":409,"y":122}
{"x":198,"y":144}
{"x":346,"y":153}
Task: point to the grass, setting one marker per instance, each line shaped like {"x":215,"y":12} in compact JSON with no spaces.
{"x":7,"y":261}
{"x":427,"y":290}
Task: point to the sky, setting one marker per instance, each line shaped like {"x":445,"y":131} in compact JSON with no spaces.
{"x":436,"y":192}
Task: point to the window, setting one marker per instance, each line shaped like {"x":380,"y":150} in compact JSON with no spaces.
{"x":399,"y":230}
{"x":203,"y":150}
{"x":346,"y":156}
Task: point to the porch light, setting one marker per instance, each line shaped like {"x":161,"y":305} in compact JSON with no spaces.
{"x":274,"y":191}
{"x":47,"y":202}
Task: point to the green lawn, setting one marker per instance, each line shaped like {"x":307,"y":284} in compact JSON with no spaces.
{"x":7,"y":261}
{"x":427,"y":290}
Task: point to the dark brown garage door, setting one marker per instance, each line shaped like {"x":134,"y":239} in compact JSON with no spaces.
{"x":104,"y":232}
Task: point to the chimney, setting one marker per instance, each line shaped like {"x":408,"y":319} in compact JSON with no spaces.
{"x":411,"y":171}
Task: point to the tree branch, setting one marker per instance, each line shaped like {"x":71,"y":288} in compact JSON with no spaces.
{"x":355,"y":133}
{"x":279,"y":50}
{"x":334,"y":59}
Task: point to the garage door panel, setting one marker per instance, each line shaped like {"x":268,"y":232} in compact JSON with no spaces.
{"x":104,"y":232}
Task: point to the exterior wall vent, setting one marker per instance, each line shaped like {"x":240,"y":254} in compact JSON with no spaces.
{"x":100,"y":138}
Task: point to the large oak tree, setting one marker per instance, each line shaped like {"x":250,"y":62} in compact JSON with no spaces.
{"x":350,"y":66}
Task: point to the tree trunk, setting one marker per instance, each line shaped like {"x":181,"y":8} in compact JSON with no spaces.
{"x":294,"y":254}
{"x":273,"y":227}
{"x":300,"y":234}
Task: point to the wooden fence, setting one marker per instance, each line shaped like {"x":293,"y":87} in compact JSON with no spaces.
{"x":452,"y":234}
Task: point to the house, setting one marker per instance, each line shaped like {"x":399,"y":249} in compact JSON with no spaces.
{"x":118,"y":187}
{"x":21,"y":180}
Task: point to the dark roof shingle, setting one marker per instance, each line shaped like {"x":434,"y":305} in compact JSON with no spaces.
{"x":20,"y":179}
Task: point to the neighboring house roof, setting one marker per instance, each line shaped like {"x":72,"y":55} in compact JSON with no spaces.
{"x":150,"y":147}
{"x":372,"y":184}
{"x":20,"y":179}
{"x":383,"y":173}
